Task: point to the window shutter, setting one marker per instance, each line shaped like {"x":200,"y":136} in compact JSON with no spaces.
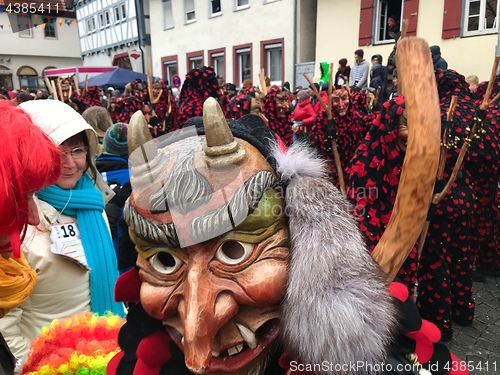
{"x":451,"y":18}
{"x":410,"y":13}
{"x":365,"y":23}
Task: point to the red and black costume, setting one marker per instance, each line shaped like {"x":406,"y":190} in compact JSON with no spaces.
{"x":280,"y":125}
{"x":485,"y":154}
{"x":350,"y":130}
{"x":199,"y":84}
{"x":373,"y":179}
{"x":445,"y":273}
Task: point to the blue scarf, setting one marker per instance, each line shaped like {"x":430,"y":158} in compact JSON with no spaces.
{"x":87,"y":205}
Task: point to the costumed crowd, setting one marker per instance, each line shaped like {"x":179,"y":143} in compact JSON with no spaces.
{"x":229,"y":230}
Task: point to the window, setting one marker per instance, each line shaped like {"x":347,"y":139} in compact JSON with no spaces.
{"x":384,"y":10}
{"x":168,"y":15}
{"x":269,"y":1}
{"x":25,"y":27}
{"x":5,"y":78}
{"x":104,"y":20}
{"x":480,"y":17}
{"x":243,"y":64}
{"x":215,"y":9}
{"x":169,"y":68}
{"x":195,"y":62}
{"x":28,"y":78}
{"x":189,"y":11}
{"x":217,"y":60}
{"x":124,"y":12}
{"x":241,"y":4}
{"x":374,"y":14}
{"x":49,"y":29}
{"x":90,"y":25}
{"x":272,"y":60}
{"x":120,"y":13}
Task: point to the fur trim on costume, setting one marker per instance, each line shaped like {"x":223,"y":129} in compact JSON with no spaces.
{"x":297,"y":161}
{"x":337,"y":308}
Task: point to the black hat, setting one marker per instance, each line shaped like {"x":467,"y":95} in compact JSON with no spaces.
{"x":230,"y":86}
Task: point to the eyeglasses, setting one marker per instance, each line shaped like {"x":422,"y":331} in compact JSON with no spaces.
{"x":77,"y":153}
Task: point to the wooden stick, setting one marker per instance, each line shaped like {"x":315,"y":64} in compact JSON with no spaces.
{"x":262,"y":78}
{"x":150,"y":80}
{"x":54,"y":90}
{"x":437,"y":197}
{"x":489,"y":89}
{"x":85,"y":85}
{"x":59,"y":86}
{"x":77,"y":89}
{"x":50,"y":88}
{"x":420,"y":164}
{"x":404,"y":28}
{"x":315,"y":90}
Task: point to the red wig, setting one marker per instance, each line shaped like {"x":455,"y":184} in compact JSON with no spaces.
{"x":29,"y":161}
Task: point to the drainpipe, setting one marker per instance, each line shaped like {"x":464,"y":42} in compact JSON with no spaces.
{"x":141,"y":29}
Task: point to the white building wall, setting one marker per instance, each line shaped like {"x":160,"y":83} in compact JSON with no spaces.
{"x":259,"y":22}
{"x":335,"y":40}
{"x":36,"y":51}
{"x":119,"y":31}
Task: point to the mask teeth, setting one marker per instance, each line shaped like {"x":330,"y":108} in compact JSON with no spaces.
{"x":248,"y":335}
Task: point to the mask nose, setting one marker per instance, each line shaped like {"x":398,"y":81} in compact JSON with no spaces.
{"x":204,"y":311}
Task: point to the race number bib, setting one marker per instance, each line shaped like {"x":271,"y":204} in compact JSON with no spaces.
{"x":66,"y":241}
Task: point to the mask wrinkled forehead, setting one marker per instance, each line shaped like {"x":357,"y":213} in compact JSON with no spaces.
{"x":186,"y":200}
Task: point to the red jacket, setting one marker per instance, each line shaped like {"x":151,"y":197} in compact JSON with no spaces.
{"x":304,"y":111}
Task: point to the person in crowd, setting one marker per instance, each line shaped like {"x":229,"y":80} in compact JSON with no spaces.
{"x":42,"y":94}
{"x":343,"y":73}
{"x":303,"y":116}
{"x":373,"y":179}
{"x":316,"y":95}
{"x":231,"y":90}
{"x":350,"y":127}
{"x":445,"y":273}
{"x":377,"y":60}
{"x":473,"y":82}
{"x":112,"y":164}
{"x":276,"y":111}
{"x":377,"y":86}
{"x":393,"y":28}
{"x":29,"y":161}
{"x":240,"y":297}
{"x":485,"y":154}
{"x":437,"y":59}
{"x":199,"y":84}
{"x":71,"y":249}
{"x":394,"y":89}
{"x":324,"y":73}
{"x":100,"y":120}
{"x":22,"y":96}
{"x":358,"y":79}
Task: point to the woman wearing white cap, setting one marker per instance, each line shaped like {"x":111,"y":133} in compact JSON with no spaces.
{"x":71,"y":249}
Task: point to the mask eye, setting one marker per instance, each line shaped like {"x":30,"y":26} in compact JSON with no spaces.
{"x":234,"y":252}
{"x":165,"y":263}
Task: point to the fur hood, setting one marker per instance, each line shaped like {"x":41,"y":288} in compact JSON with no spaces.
{"x":337,"y":308}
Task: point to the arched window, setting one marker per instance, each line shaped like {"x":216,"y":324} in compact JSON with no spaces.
{"x":6,"y":78}
{"x":28,"y":78}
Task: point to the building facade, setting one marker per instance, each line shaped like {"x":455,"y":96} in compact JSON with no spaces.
{"x":465,"y":30}
{"x":33,"y":40}
{"x":114,"y":33}
{"x":238,"y":38}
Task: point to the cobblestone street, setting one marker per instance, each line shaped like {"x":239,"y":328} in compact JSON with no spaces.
{"x":479,"y":344}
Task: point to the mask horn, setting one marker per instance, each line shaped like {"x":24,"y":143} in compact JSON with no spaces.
{"x":138,"y":133}
{"x":222,"y":149}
